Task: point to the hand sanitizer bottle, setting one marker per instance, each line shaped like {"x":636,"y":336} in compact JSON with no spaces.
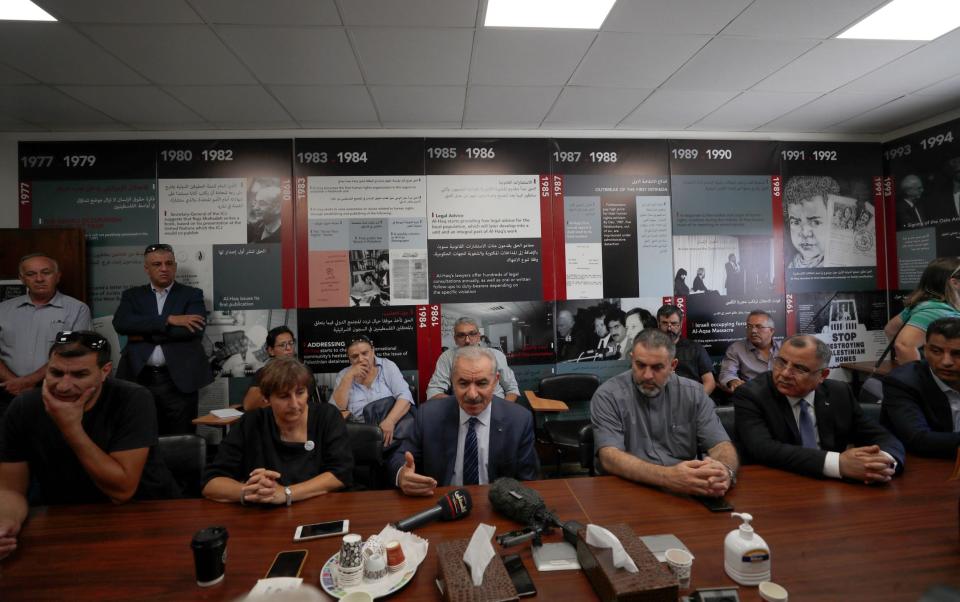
{"x":746,"y":557}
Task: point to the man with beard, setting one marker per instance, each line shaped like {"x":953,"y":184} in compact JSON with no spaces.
{"x":793,"y":418}
{"x":650,"y":425}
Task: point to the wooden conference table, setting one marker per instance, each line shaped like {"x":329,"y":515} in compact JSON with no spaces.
{"x":829,"y":540}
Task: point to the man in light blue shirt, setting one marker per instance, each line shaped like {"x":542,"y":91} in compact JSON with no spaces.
{"x":29,"y":324}
{"x":466,"y":332}
{"x":368,"y":379}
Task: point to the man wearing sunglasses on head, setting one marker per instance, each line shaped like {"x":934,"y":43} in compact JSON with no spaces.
{"x":466,"y":332}
{"x":164,"y":323}
{"x":81,"y":438}
{"x":28,"y":324}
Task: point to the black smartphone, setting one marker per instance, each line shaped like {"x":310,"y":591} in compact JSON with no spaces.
{"x":519,"y":576}
{"x":715,"y":504}
{"x":287,"y":564}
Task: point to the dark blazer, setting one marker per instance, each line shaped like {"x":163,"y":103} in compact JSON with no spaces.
{"x":137,"y":315}
{"x":768,"y":432}
{"x":434,"y":441}
{"x":918,"y":412}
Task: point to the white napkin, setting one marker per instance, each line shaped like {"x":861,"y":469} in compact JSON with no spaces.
{"x":265,"y":589}
{"x":601,"y":538}
{"x":479,"y":552}
{"x":414,"y":546}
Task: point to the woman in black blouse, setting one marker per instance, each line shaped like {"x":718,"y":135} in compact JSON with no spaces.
{"x":292,"y":450}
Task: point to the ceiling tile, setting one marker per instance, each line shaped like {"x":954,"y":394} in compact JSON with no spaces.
{"x":295,"y":55}
{"x":410,"y":13}
{"x":635,"y":60}
{"x":414,"y":56}
{"x":9,"y":75}
{"x":674,"y":109}
{"x":527,"y":57}
{"x":173,"y":55}
{"x":918,"y":69}
{"x":172,"y":127}
{"x":129,"y":104}
{"x":121,"y":11}
{"x":230,"y":103}
{"x":947,"y":87}
{"x":12,"y":125}
{"x":800,"y":19}
{"x":349,"y":125}
{"x":48,"y":107}
{"x":825,"y":111}
{"x":508,"y":106}
{"x":736,"y":63}
{"x":330,"y":105}
{"x":275,"y":12}
{"x":55,"y":53}
{"x":674,"y":16}
{"x":898,"y":113}
{"x":419,"y":104}
{"x":258,"y":125}
{"x":594,"y":107}
{"x":752,"y":109}
{"x":832,"y":64}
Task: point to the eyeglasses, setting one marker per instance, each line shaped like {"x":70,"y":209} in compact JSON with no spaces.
{"x":783,"y":365}
{"x":287,"y":344}
{"x":758,"y":327}
{"x":465,"y":335}
{"x":360,"y":338}
{"x":157,"y":247}
{"x":90,"y":340}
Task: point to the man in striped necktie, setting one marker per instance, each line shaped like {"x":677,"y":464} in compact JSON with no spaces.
{"x":470,"y":438}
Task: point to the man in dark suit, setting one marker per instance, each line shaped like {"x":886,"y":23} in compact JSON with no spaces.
{"x":734,"y":282}
{"x":793,"y":418}
{"x":164,"y":322}
{"x":470,"y":438}
{"x":912,"y":210}
{"x":921,"y":400}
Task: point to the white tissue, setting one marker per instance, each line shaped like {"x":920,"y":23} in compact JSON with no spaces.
{"x":479,"y":552}
{"x":599,"y":537}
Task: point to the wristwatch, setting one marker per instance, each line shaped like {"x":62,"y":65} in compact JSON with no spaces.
{"x":730,"y":471}
{"x":289,"y":494}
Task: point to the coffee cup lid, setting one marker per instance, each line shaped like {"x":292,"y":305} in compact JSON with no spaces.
{"x":209,"y":536}
{"x":772,"y":592}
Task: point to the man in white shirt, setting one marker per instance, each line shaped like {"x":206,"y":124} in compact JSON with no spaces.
{"x":470,"y":438}
{"x":793,"y":418}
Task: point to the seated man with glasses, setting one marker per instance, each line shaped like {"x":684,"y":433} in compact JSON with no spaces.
{"x":793,"y":418}
{"x":164,"y":323}
{"x":466,"y":332}
{"x":82,"y":438}
{"x":752,"y":356}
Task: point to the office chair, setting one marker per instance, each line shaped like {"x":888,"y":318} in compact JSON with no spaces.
{"x":366,"y":442}
{"x":185,"y":457}
{"x":588,"y":458}
{"x":563,"y":401}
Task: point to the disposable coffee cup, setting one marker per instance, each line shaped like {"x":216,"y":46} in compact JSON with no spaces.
{"x":210,"y":555}
{"x":681,"y":563}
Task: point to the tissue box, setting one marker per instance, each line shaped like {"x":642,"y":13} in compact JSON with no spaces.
{"x":654,"y":582}
{"x":456,"y":582}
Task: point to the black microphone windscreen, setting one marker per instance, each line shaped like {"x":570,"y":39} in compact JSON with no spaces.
{"x":516,"y":501}
{"x":455,"y":504}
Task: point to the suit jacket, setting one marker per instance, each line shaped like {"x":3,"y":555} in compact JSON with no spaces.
{"x":434,"y":441}
{"x":918,"y":412}
{"x":137,"y":315}
{"x":768,"y":432}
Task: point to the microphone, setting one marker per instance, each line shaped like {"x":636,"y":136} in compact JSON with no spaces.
{"x":453,"y":506}
{"x":525,"y":505}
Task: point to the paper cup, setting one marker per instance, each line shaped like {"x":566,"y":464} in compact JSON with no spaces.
{"x":357,"y":597}
{"x":681,"y":563}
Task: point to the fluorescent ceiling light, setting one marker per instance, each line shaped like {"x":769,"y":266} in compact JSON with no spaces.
{"x":908,"y":20}
{"x":561,"y":14}
{"x":22,"y":10}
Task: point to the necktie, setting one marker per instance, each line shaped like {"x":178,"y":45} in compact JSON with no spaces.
{"x":807,"y":434}
{"x":471,"y":461}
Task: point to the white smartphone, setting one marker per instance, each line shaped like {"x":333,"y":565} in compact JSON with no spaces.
{"x":318,"y":530}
